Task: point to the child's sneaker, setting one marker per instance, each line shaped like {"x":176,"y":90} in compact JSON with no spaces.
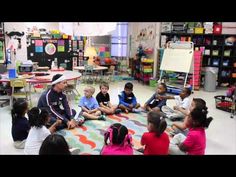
{"x":74,"y":151}
{"x":118,"y":111}
{"x":136,"y":110}
{"x":102,"y":117}
{"x":126,"y":111}
{"x":140,"y":150}
{"x":80,"y":120}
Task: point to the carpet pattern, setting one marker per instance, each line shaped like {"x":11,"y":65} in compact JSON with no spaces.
{"x":89,"y":137}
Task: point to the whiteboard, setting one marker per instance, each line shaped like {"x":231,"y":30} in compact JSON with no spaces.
{"x":178,"y":60}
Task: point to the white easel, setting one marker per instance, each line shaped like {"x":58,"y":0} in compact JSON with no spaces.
{"x":178,"y":57}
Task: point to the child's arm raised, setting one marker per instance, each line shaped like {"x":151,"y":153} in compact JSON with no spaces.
{"x":165,"y":97}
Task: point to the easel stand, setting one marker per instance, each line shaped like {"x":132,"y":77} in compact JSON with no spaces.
{"x":178,"y":57}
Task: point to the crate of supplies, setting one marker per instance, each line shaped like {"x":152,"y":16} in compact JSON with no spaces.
{"x":215,"y":52}
{"x":199,"y":30}
{"x":217,"y":29}
{"x":227,"y":53}
{"x":152,"y":82}
{"x":224,"y":103}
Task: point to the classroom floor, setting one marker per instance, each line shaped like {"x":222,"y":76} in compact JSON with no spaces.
{"x":220,"y":135}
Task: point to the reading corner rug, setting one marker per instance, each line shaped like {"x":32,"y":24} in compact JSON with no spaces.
{"x":89,"y":137}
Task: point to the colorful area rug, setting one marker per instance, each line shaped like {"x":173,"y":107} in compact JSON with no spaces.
{"x":89,"y":138}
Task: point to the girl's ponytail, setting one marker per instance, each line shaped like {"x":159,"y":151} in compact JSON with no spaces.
{"x":162,"y":126}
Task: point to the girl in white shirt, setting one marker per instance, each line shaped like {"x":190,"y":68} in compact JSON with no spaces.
{"x":38,"y":118}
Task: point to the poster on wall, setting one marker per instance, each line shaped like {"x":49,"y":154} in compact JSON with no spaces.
{"x":50,"y":49}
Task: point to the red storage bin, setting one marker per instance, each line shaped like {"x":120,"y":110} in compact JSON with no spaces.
{"x":217,"y":29}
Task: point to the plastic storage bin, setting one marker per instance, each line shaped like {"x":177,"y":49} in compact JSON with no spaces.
{"x":198,"y":30}
{"x":223,"y":103}
{"x":12,"y":73}
{"x":210,"y":79}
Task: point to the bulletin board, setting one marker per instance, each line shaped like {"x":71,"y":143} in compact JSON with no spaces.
{"x":178,"y":59}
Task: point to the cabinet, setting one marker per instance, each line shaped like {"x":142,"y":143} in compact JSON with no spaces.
{"x":218,"y":50}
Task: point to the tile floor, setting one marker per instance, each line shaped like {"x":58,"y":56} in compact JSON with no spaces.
{"x":220,"y":135}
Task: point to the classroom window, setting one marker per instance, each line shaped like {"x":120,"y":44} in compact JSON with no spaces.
{"x":119,"y":40}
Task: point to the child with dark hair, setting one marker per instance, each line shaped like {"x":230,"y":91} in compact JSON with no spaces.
{"x":103,"y":100}
{"x":182,"y":105}
{"x":20,"y":125}
{"x":38,"y":118}
{"x":195,"y":142}
{"x":182,"y":127}
{"x":54,"y":145}
{"x":56,"y":103}
{"x":120,"y":142}
{"x":156,"y":102}
{"x":127,"y":100}
{"x":156,"y":141}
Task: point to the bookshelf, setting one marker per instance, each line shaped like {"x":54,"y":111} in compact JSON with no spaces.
{"x":216,"y":52}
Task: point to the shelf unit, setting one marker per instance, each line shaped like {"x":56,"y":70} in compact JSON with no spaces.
{"x":142,"y":66}
{"x":146,"y":71}
{"x":215,"y":52}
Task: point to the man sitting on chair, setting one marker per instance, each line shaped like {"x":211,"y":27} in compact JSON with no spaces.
{"x":54,"y":99}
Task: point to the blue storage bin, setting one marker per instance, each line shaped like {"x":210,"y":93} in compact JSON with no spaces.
{"x":12,"y":73}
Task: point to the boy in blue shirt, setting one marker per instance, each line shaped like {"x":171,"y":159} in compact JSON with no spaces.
{"x":89,"y":105}
{"x":127,"y":100}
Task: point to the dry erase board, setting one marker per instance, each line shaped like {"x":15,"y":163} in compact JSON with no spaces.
{"x":178,"y":60}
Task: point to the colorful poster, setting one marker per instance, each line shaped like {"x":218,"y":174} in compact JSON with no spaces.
{"x":50,"y":49}
{"x":60,"y":48}
{"x":38,"y":42}
{"x":38,"y":49}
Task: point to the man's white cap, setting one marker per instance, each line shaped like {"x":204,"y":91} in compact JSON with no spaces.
{"x":60,"y":79}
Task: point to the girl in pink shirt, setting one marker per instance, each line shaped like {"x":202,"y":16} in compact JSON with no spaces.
{"x":119,"y":141}
{"x":195,"y":142}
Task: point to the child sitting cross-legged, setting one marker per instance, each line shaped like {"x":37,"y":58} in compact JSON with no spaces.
{"x":20,"y":124}
{"x":38,"y":118}
{"x":195,"y":141}
{"x":127,"y":100}
{"x":156,"y":141}
{"x":156,"y":102}
{"x":103,"y":99}
{"x":120,"y":141}
{"x":89,"y":105}
{"x":181,"y":109}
